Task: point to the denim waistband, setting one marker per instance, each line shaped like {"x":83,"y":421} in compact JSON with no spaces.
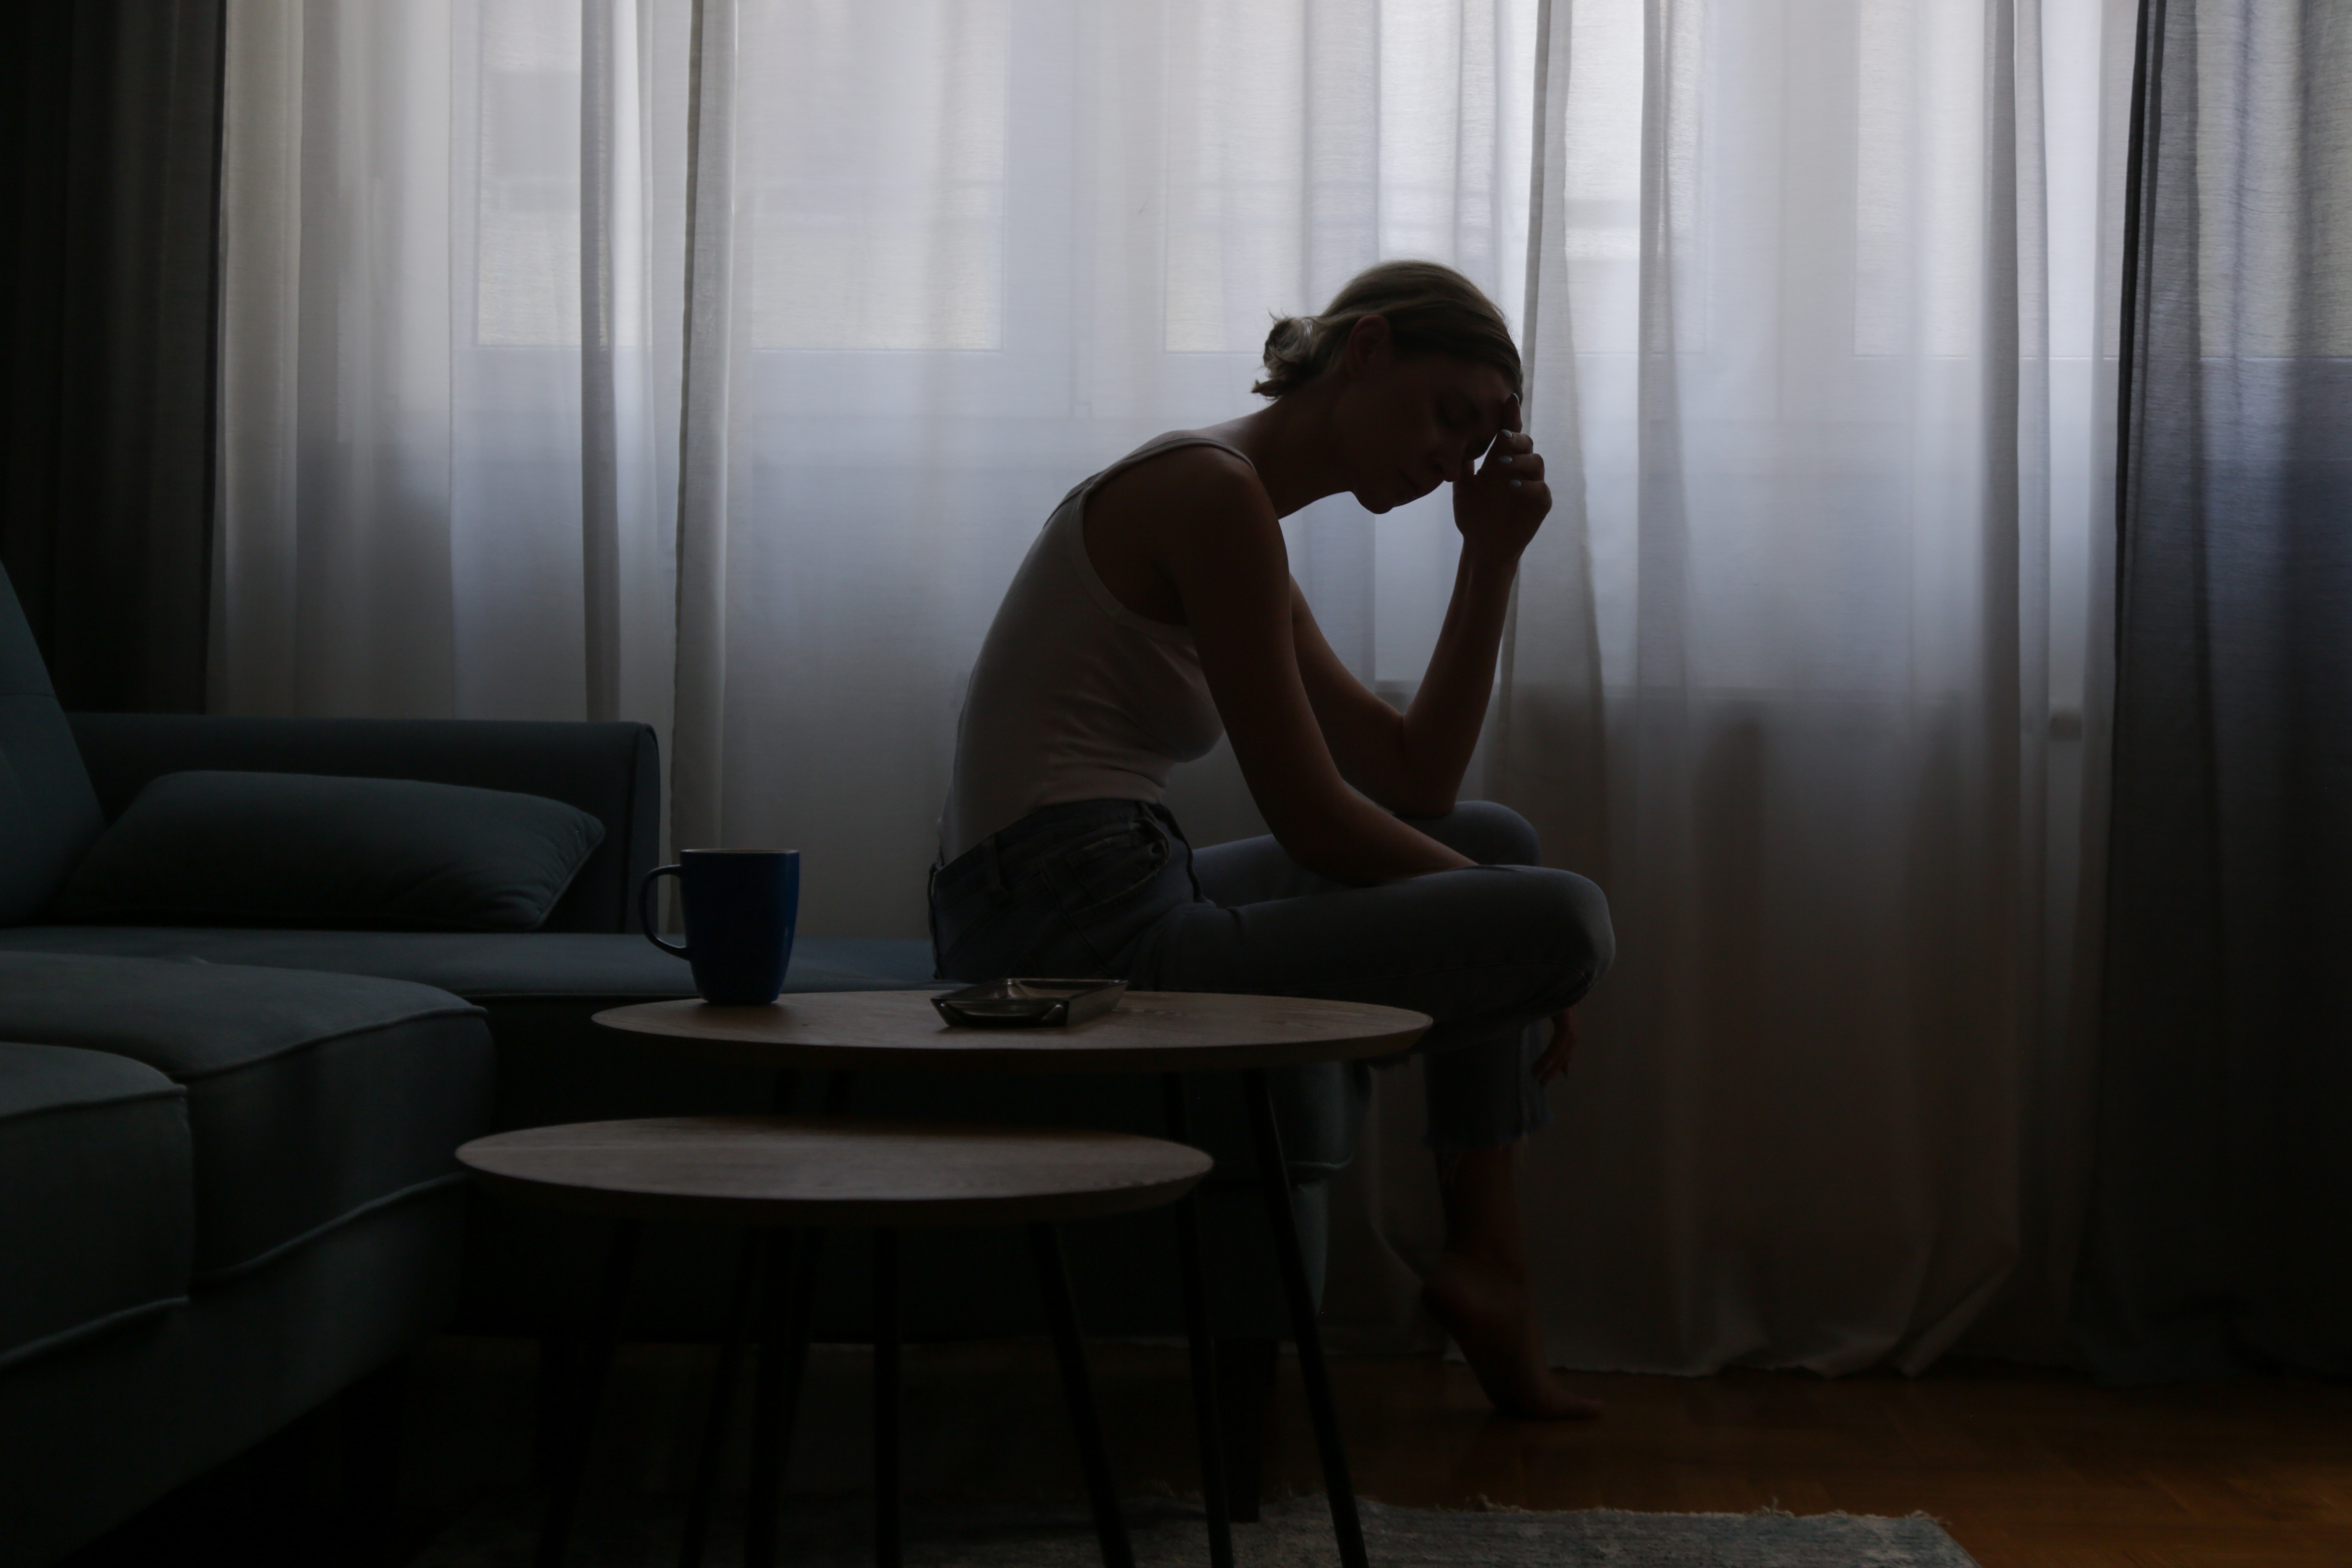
{"x":1003,"y":873}
{"x":1008,"y":851}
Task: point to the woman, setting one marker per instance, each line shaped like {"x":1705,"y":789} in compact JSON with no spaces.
{"x":1157,"y":610}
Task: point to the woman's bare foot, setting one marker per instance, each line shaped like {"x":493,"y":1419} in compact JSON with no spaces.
{"x":1488,"y":1307}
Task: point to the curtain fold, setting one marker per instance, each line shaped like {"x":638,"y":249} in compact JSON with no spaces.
{"x":110,"y":184}
{"x":2223,"y":1184}
{"x":706,"y":456}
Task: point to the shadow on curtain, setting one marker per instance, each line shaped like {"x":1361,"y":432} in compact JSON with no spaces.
{"x":109,"y":128}
{"x":2221,"y":1235}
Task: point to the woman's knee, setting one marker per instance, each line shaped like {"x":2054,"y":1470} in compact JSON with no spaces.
{"x":1489,"y":834}
{"x":1575,"y":915}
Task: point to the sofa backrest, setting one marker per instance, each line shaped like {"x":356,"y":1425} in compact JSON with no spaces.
{"x":48,"y":812}
{"x":611,"y":771}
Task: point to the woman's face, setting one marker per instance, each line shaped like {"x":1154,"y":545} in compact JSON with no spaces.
{"x":1408,"y":424}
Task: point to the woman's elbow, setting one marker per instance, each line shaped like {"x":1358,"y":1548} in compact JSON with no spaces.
{"x":1416,"y":787}
{"x":1421,"y":805}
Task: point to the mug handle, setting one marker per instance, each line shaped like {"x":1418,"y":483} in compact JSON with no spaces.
{"x":645,"y":910}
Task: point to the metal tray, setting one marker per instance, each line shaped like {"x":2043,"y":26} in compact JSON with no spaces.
{"x":1029,"y":1003}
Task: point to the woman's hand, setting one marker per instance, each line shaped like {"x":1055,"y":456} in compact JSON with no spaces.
{"x":1499,"y":508}
{"x":1554,"y":1061}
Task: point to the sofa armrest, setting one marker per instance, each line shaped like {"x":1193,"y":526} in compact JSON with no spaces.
{"x":611,"y":771}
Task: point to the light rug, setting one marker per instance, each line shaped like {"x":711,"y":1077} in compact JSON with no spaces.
{"x":1293,"y":1534}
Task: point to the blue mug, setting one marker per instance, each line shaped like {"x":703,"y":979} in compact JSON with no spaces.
{"x":740,"y":906}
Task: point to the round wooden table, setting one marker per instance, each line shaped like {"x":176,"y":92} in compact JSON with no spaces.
{"x":807,"y":1172}
{"x":1166,"y":1032}
{"x":833,"y":1170}
{"x":1148,"y":1031}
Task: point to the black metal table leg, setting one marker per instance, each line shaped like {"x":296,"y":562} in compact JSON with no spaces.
{"x":784,"y":1347}
{"x":1273,"y":1181}
{"x":784,"y":1098}
{"x":1205,"y":1422}
{"x":889,"y":1540}
{"x":1077,"y":1387}
{"x":605,"y":1332}
{"x":784,"y":1364}
{"x":722,"y":1402}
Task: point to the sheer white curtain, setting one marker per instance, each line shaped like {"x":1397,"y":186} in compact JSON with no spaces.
{"x":951,"y":256}
{"x":1802,"y":678}
{"x":433,"y":500}
{"x":586,"y":357}
{"x":946,"y":258}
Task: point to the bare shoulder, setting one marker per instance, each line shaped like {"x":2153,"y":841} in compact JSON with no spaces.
{"x":1194,"y":483}
{"x":1177,"y":522}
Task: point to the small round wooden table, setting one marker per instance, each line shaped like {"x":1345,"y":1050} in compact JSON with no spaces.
{"x":1166,"y":1032}
{"x":809,"y":1172}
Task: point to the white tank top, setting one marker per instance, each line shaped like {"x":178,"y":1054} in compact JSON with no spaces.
{"x":1075,"y":697}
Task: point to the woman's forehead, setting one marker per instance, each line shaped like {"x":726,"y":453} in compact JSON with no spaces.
{"x":1486,"y":387}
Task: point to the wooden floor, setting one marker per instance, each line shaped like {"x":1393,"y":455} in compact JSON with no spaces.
{"x":2023,"y":1467}
{"x":2026,"y":1469}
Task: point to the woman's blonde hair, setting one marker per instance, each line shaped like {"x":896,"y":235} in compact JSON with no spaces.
{"x":1430,"y":309}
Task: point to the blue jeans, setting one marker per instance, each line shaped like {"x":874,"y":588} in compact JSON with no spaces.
{"x":1111,"y":887}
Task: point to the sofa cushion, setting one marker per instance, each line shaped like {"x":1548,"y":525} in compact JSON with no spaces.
{"x":49,"y":814}
{"x":541,"y":988}
{"x":348,"y":854}
{"x":311,"y":1097}
{"x":611,"y":771}
{"x":97,"y":1199}
{"x":484,"y":966}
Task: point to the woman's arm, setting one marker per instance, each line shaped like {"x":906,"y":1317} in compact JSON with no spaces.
{"x":1212,"y":531}
{"x":1413,"y":762}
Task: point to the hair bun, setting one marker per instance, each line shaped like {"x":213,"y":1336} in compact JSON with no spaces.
{"x":1289,"y":352}
{"x":1430,"y":308}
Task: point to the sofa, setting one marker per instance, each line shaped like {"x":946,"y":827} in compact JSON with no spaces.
{"x":226,"y":1182}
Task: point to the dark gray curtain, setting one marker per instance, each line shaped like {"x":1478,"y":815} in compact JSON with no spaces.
{"x":110,"y":184}
{"x":2222,"y":1228}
